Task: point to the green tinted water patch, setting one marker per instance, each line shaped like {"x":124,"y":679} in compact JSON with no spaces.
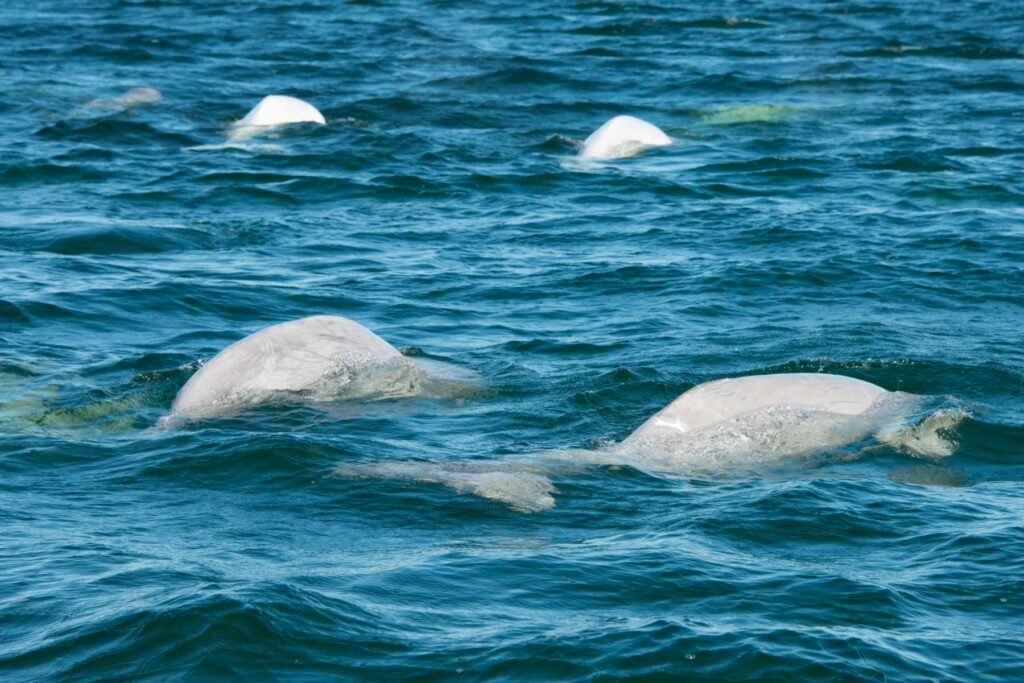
{"x":751,"y":113}
{"x":69,"y":409}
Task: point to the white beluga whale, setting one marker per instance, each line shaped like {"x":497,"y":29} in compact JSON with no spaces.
{"x":317,"y":359}
{"x":622,"y":136}
{"x":278,"y":110}
{"x":274,"y":111}
{"x":717,"y":427}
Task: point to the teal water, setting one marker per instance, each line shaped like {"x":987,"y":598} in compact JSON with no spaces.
{"x":845,"y":197}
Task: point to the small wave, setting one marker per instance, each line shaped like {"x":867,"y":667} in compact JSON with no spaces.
{"x":964,"y":51}
{"x":668,"y":26}
{"x":112,"y":130}
{"x":922,"y":162}
{"x":240,"y":145}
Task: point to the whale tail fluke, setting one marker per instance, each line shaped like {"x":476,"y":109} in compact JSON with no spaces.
{"x":520,"y":486}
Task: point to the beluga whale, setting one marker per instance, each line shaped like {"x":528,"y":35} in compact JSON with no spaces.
{"x":129,"y":98}
{"x":274,"y":111}
{"x":143,"y":95}
{"x":622,"y":136}
{"x":720,"y":427}
{"x":322,"y":358}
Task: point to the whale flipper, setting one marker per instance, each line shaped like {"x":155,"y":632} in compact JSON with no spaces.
{"x":623,"y":136}
{"x":522,"y":487}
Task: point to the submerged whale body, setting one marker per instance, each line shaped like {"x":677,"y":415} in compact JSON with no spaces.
{"x":278,"y":110}
{"x":622,"y":136}
{"x":714,"y":427}
{"x":319,"y":358}
{"x":144,"y":95}
{"x":129,"y":98}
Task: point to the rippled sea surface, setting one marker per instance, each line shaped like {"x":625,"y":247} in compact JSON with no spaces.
{"x":845,"y":197}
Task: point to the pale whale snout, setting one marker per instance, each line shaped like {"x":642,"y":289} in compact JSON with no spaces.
{"x":623,"y":136}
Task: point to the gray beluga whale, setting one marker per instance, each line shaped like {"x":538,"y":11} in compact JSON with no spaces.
{"x":319,"y":358}
{"x":130,"y":98}
{"x":622,"y":136}
{"x":274,"y":111}
{"x":143,"y":95}
{"x":716,"y":427}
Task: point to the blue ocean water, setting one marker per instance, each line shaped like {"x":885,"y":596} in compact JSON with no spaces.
{"x":845,"y":197}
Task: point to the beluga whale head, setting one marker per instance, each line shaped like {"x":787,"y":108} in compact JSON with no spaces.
{"x":322,"y":358}
{"x":623,"y":136}
{"x":273,"y":111}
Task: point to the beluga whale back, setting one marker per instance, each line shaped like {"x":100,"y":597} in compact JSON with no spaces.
{"x":623,"y":136}
{"x":710,"y":403}
{"x":129,"y":98}
{"x":319,"y":358}
{"x":276,"y":110}
{"x":763,"y":417}
{"x":142,"y":95}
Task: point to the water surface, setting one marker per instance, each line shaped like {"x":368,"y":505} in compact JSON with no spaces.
{"x":845,"y":197}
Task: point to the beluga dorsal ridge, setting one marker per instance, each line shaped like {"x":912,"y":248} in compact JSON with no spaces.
{"x":143,"y":95}
{"x":623,"y":136}
{"x":129,"y":98}
{"x":321,"y":358}
{"x":778,"y":416}
{"x":274,"y":111}
{"x":712,"y":402}
{"x":278,"y":110}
